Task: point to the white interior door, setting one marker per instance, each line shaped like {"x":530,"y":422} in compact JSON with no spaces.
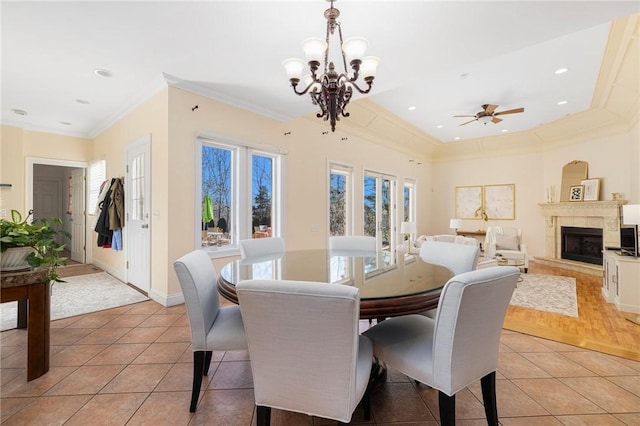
{"x":47,"y":199}
{"x":137,"y":206}
{"x":77,"y":216}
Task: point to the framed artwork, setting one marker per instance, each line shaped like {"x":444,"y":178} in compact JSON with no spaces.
{"x":576,"y":192}
{"x":591,"y":189}
{"x":499,"y":201}
{"x":468,"y":201}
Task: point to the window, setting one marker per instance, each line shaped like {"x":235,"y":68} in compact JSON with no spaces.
{"x":340,"y":200}
{"x":409,"y":201}
{"x":379,"y":208}
{"x":239,"y":194}
{"x":97,"y":175}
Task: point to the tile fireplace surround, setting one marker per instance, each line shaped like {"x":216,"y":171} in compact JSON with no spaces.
{"x":585,"y":214}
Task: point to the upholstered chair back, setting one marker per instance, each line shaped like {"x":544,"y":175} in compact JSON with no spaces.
{"x":198,"y":278}
{"x":458,"y":258}
{"x":468,"y":324}
{"x":356,"y":243}
{"x":254,"y":248}
{"x":306,"y":352}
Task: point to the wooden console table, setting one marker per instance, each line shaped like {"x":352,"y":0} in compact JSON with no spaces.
{"x":32,"y":287}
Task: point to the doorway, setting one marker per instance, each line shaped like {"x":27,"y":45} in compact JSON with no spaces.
{"x":56,"y":188}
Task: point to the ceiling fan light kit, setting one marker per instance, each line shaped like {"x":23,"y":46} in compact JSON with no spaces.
{"x":332,"y":91}
{"x":489,"y":114}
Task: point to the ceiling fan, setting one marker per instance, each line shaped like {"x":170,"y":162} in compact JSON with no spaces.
{"x":489,"y":113}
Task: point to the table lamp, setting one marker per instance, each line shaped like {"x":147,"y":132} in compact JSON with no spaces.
{"x":455,"y":224}
{"x":408,"y":228}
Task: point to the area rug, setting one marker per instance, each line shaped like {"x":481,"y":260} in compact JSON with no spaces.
{"x":547,"y":293}
{"x":80,"y":294}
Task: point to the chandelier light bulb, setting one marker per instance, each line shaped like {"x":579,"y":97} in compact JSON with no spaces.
{"x":369,"y":66}
{"x":314,"y":49}
{"x":293,"y":67}
{"x":355,"y":48}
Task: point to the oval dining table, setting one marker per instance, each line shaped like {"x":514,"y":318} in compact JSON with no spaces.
{"x":391,"y":284}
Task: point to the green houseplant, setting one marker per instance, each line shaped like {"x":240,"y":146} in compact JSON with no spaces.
{"x":39,"y":239}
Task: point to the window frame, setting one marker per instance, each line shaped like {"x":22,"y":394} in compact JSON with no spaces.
{"x":241,"y":191}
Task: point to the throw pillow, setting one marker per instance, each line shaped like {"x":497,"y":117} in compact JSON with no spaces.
{"x":421,"y":239}
{"x":506,"y":243}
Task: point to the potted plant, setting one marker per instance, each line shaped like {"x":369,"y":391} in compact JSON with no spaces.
{"x":35,"y":243}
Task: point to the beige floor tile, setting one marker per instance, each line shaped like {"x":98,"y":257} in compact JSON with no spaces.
{"x":137,"y":378}
{"x":76,"y":355}
{"x":630,"y":383}
{"x":118,"y":354}
{"x":601,"y":364}
{"x":105,"y":336}
{"x":165,"y":409}
{"x":511,"y":400}
{"x":232,"y":375}
{"x":131,"y":320}
{"x":160,"y":320}
{"x":86,"y":380}
{"x":68,"y":336}
{"x":630,"y":419}
{"x":20,"y":387}
{"x":10,"y":406}
{"x":399,"y":402}
{"x":530,"y":421}
{"x":590,"y":420}
{"x":95,"y":320}
{"x":159,"y":353}
{"x":45,"y":411}
{"x":611,"y":397}
{"x":114,"y":409}
{"x":232,"y":407}
{"x":142,"y":335}
{"x":180,"y":378}
{"x":176,"y":334}
{"x":557,"y":365}
{"x":523,"y":343}
{"x":556,"y":397}
{"x":513,"y":365}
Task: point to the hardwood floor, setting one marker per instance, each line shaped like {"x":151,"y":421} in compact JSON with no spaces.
{"x":599,"y":326}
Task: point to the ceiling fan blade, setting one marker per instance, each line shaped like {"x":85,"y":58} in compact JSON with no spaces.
{"x":471,"y":121}
{"x":496,"y":120}
{"x":464,"y":115}
{"x":510,"y":111}
{"x":489,"y":108}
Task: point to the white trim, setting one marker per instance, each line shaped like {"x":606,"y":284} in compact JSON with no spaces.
{"x":220,"y":139}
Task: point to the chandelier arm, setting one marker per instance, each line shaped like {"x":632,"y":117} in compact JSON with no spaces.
{"x":306,"y":89}
{"x":363,"y":91}
{"x":344,"y":59}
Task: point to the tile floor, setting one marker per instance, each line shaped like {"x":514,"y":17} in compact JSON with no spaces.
{"x":132,"y":366}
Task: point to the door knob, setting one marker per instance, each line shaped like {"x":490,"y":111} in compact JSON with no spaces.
{"x":145,"y":226}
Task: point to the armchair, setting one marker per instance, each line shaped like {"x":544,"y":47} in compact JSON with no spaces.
{"x":506,"y":242}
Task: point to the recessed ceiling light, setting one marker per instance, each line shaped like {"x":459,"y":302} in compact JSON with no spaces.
{"x":562,"y":102}
{"x":66,"y":123}
{"x":82,"y":101}
{"x":103,"y":73}
{"x":439,"y":126}
{"x":464,"y":75}
{"x":19,"y":111}
{"x":412,"y":108}
{"x":456,"y":138}
{"x":504,"y":130}
{"x":561,"y":70}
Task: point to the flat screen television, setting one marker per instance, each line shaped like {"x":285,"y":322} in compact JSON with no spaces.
{"x":629,"y":240}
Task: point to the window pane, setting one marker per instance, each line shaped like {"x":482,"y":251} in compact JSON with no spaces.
{"x":385,"y":212}
{"x":370,"y":220}
{"x":262,"y":195}
{"x":137,"y":187}
{"x":216,"y":195}
{"x":338,"y":204}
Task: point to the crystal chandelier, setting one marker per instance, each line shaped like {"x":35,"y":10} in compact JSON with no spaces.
{"x":332,"y":91}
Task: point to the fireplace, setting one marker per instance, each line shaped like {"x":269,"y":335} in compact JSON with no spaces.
{"x":581,"y":244}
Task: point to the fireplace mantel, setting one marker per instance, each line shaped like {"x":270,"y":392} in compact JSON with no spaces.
{"x":585,"y":214}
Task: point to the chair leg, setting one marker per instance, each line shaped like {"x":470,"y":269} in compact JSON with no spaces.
{"x":198,"y":369}
{"x":263,"y":415}
{"x":366,"y":402}
{"x":447,"y":409}
{"x":207,"y":361}
{"x":488,"y":384}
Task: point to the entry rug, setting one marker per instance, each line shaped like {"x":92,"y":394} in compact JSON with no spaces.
{"x":547,"y":293}
{"x":80,"y":294}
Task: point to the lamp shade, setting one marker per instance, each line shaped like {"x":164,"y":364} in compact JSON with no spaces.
{"x":631,"y":214}
{"x":314,"y":49}
{"x":294,"y":68}
{"x":354,"y":48}
{"x":369,"y":66}
{"x":455,"y":223}
{"x":408,"y":228}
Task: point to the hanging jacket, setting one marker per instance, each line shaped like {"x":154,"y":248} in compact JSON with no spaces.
{"x":116,"y":205}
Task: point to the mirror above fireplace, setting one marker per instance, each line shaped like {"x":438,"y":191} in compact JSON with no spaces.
{"x":573,"y":174}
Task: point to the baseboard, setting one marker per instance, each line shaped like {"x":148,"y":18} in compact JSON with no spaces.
{"x":166,"y":301}
{"x":113,"y":272}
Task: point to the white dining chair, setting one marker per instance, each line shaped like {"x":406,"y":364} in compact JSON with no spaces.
{"x":255,"y":248}
{"x":457,"y":347}
{"x":212,"y":328}
{"x":306,"y":352}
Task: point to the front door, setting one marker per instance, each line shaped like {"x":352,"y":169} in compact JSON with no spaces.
{"x":137,"y":205}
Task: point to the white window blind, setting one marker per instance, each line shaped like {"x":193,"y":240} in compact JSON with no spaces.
{"x":97,"y":175}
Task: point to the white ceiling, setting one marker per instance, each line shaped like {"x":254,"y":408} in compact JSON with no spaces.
{"x":233,"y":50}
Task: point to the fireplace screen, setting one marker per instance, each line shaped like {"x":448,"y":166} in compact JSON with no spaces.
{"x":582,"y":244}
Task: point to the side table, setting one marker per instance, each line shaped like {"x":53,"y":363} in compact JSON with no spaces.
{"x":33,"y":287}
